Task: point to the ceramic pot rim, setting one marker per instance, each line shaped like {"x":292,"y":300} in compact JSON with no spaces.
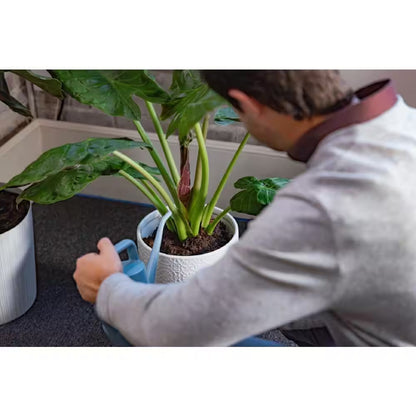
{"x":231,"y":224}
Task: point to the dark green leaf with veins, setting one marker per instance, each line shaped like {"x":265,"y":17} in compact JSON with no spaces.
{"x":72,"y":180}
{"x":246,"y":202}
{"x":256,"y":194}
{"x":246,"y":182}
{"x":50,"y":85}
{"x":190,"y":100}
{"x":112,"y":91}
{"x":10,"y":101}
{"x":68,"y":155}
{"x":60,"y":186}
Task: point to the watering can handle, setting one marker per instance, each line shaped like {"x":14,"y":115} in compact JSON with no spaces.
{"x":133,"y":266}
{"x":131,"y":248}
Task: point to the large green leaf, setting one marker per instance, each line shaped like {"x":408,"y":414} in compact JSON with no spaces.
{"x":190,"y":100}
{"x":246,"y":202}
{"x":225,"y":116}
{"x":185,"y":80}
{"x":72,"y":180}
{"x":112,"y":91}
{"x":246,"y":182}
{"x":90,"y":151}
{"x":11,"y":102}
{"x":256,"y":193}
{"x":60,"y":186}
{"x":50,"y":85}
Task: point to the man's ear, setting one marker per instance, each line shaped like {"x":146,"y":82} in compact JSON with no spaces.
{"x":247,"y":104}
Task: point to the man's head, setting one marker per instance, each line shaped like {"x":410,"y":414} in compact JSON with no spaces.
{"x":279,"y":106}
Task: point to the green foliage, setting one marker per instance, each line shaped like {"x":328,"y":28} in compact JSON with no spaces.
{"x":62,"y":157}
{"x":10,"y":101}
{"x":60,"y":186}
{"x":190,"y":100}
{"x":225,"y":116}
{"x":68,"y":182}
{"x":256,"y":194}
{"x":50,"y":85}
{"x":112,"y":91}
{"x":62,"y":172}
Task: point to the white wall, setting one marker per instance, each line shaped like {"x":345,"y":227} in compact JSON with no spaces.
{"x":405,"y":81}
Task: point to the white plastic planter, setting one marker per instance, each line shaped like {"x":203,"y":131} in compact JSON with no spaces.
{"x":177,"y":268}
{"x":17,"y":270}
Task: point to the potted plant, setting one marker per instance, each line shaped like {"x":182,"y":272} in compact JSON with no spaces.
{"x":198,"y":233}
{"x":17,"y":253}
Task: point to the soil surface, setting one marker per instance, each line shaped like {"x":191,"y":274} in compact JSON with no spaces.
{"x":201,"y":244}
{"x":10,"y":216}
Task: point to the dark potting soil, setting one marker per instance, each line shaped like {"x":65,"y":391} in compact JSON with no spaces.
{"x":192,"y":246}
{"x":10,"y":215}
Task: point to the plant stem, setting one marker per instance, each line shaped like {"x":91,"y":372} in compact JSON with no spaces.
{"x":163,"y":210}
{"x":198,"y":170}
{"x":147,"y":191}
{"x":155,"y":156}
{"x":163,"y":142}
{"x":200,"y":191}
{"x":149,"y":177}
{"x":205,"y":125}
{"x":180,"y":224}
{"x":211,"y":227}
{"x":165,"y":175}
{"x":210,"y":208}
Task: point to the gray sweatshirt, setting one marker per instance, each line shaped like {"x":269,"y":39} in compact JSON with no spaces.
{"x":338,"y":242}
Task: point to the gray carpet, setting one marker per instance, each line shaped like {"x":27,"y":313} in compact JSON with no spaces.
{"x":64,"y":232}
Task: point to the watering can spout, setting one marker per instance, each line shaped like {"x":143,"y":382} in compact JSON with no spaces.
{"x":154,"y":256}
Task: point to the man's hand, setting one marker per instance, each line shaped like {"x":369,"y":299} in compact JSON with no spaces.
{"x":92,"y":269}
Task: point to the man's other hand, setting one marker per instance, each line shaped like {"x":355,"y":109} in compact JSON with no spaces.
{"x":92,"y":269}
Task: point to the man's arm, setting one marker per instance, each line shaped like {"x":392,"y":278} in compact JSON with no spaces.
{"x":283,"y":268}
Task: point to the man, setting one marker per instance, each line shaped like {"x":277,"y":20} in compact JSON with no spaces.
{"x":338,"y":242}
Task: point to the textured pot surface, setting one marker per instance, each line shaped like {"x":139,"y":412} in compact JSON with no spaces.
{"x":17,"y":270}
{"x":177,"y":268}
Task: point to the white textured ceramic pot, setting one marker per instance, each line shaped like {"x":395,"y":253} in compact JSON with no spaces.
{"x":177,"y":268}
{"x":17,"y":270}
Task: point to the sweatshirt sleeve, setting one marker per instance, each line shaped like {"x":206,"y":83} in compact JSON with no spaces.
{"x":283,"y":268}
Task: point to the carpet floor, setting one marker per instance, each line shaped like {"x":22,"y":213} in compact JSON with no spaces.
{"x":64,"y":232}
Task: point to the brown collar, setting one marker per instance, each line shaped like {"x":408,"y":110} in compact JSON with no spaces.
{"x":375,"y":99}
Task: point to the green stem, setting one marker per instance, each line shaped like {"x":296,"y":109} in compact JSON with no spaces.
{"x":149,"y":177}
{"x":160,"y":207}
{"x":155,"y":156}
{"x":148,"y":192}
{"x":180,"y":225}
{"x":210,"y":208}
{"x":198,"y":177}
{"x":163,"y":142}
{"x":198,"y":170}
{"x":211,"y":227}
{"x":165,"y":175}
{"x":205,"y":125}
{"x":199,"y":194}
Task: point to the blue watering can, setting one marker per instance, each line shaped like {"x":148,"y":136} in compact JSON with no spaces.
{"x":137,"y":271}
